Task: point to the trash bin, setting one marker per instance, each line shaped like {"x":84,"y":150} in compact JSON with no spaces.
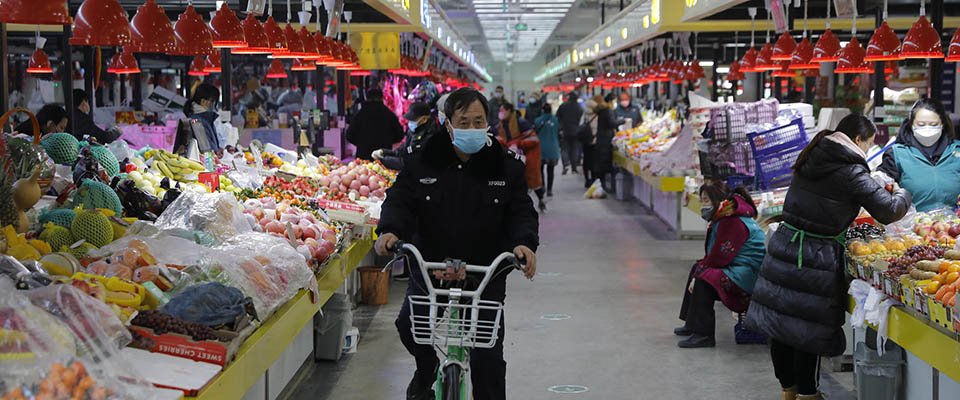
{"x":878,"y":377}
{"x":374,"y":285}
{"x":330,"y":330}
{"x":624,"y":186}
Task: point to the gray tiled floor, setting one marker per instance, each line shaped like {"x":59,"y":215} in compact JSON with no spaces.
{"x":622,"y":288}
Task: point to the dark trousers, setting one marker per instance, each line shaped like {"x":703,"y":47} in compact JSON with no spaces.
{"x":697,"y":308}
{"x":571,"y":150}
{"x":588,"y":163}
{"x":548,"y":171}
{"x":487,"y":367}
{"x":795,"y":368}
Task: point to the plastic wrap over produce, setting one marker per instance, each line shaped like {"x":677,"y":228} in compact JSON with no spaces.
{"x":217,"y":214}
{"x":32,"y":338}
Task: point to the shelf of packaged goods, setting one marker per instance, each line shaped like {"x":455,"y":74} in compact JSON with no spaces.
{"x":263,"y":347}
{"x":665,"y":197}
{"x":920,"y":337}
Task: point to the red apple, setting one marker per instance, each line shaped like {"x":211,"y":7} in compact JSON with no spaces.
{"x":954,"y":231}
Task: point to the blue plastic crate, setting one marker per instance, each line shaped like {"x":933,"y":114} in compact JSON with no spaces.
{"x":740,"y":180}
{"x":745,"y":336}
{"x":776,"y":140}
{"x":776,"y":170}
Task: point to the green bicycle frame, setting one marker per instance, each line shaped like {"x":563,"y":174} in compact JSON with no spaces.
{"x":457,"y":353}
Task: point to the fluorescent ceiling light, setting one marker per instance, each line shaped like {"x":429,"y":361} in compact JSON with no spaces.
{"x":723,"y":70}
{"x":706,"y":63}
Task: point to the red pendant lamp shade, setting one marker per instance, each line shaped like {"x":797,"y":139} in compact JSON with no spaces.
{"x":196,"y":67}
{"x":749,"y":61}
{"x":126,"y":64}
{"x":922,"y":41}
{"x":193,"y":36}
{"x":735,"y":74}
{"x":827,"y":49}
{"x":212,"y":64}
{"x":43,"y":12}
{"x":764,"y":59}
{"x":784,"y":71}
{"x":100,"y":23}
{"x":276,"y":70}
{"x":323,"y":48}
{"x":151,"y":30}
{"x":697,"y":70}
{"x":851,"y":59}
{"x":891,"y":68}
{"x":294,"y":45}
{"x":802,"y":55}
{"x":255,"y":36}
{"x":303,"y":65}
{"x":953,"y":51}
{"x":226,"y":29}
{"x":39,"y":63}
{"x":783,"y":50}
{"x":276,"y":40}
{"x":360,"y":73}
{"x":884,"y":45}
{"x":309,"y":44}
{"x":112,"y":66}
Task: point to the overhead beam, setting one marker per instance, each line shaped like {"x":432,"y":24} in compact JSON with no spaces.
{"x":818,"y":24}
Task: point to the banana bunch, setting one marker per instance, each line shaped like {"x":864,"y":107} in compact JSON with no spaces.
{"x":174,"y":166}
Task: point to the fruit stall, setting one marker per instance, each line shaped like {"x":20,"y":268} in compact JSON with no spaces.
{"x":139,"y":273}
{"x":658,"y":160}
{"x":915,"y":262}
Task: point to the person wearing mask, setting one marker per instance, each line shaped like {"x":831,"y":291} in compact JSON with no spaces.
{"x":420,"y":127}
{"x":84,"y":125}
{"x":799,"y":301}
{"x":202,"y":108}
{"x":925,"y":159}
{"x":569,"y":114}
{"x":607,"y":125}
{"x":374,"y":127}
{"x":728,"y":271}
{"x":494,"y":104}
{"x":534,"y":107}
{"x":548,"y":130}
{"x":627,"y":110}
{"x":52,"y":118}
{"x":463,"y":197}
{"x":516,"y":133}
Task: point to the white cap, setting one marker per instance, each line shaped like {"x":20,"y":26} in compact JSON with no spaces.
{"x":440,"y":102}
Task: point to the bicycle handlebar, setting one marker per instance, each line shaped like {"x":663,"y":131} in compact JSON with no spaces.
{"x":488,"y":271}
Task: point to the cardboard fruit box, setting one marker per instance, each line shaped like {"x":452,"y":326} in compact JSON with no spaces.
{"x":211,"y":351}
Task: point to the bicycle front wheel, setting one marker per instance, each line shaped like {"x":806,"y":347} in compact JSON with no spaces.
{"x":452,"y":382}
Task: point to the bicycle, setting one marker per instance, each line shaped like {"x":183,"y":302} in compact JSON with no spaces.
{"x":454,"y":327}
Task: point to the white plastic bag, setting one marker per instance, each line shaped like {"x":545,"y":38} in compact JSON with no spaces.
{"x":595,"y":191}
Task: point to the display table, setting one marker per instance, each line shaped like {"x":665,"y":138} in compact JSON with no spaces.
{"x":933,"y":354}
{"x":664,"y":197}
{"x":259,"y":352}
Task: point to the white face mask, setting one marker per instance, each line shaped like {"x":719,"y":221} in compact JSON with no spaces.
{"x":927,"y":135}
{"x":624,"y":103}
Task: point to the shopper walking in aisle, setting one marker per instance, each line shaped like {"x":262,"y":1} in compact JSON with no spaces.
{"x":494,"y":104}
{"x":464,"y":197}
{"x":627,"y":110}
{"x":587,"y":135}
{"x":420,"y":127}
{"x":534,"y":107}
{"x":925,"y":160}
{"x":516,"y":133}
{"x":569,"y":114}
{"x":548,"y":130}
{"x":728,"y":271}
{"x":374,"y":127}
{"x":84,"y":124}
{"x":202,"y":107}
{"x":799,"y":299}
{"x":607,"y":125}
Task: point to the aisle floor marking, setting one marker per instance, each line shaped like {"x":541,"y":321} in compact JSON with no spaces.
{"x":568,"y":389}
{"x":549,"y":274}
{"x":555,"y":317}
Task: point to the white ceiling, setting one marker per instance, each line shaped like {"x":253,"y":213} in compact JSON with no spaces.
{"x":490,"y":25}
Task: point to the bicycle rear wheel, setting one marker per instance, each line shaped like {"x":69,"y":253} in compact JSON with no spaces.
{"x":452,"y":375}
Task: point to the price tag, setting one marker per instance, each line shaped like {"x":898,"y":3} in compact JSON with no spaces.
{"x":211,"y":179}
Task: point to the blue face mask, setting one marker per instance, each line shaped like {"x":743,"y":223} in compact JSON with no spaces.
{"x":412,"y":125}
{"x":441,"y":117}
{"x":469,"y":141}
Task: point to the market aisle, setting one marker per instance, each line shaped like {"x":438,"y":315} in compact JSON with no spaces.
{"x":601,"y":264}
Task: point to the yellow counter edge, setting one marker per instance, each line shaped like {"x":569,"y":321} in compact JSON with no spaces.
{"x":663,"y":184}
{"x":266,"y":344}
{"x":922,"y":340}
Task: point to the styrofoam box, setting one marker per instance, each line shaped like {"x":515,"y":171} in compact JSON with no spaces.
{"x":806,"y":109}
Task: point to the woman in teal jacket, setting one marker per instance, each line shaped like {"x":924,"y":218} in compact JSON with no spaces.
{"x":548,"y":129}
{"x":729,"y":270}
{"x":925,"y":160}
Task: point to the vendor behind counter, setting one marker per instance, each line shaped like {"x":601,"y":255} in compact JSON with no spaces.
{"x":925,"y":160}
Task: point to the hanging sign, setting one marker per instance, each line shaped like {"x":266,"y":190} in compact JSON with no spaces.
{"x":377,"y":50}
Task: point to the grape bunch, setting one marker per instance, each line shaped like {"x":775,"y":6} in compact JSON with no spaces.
{"x":162,"y":323}
{"x":864,"y":231}
{"x":902,"y":265}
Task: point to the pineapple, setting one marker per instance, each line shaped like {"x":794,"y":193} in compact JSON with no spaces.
{"x":8,"y":209}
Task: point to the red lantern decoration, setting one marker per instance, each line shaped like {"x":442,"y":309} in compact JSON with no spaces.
{"x":101,"y":23}
{"x":827,"y":49}
{"x":783,"y":50}
{"x":39,"y":63}
{"x":922,"y":41}
{"x":226,"y":30}
{"x":851,"y":59}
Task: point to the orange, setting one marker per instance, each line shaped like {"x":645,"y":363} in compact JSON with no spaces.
{"x":952,"y":277}
{"x":932,"y":288}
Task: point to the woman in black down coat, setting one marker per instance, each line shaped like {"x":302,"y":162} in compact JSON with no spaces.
{"x":799,"y":299}
{"x":606,"y":128}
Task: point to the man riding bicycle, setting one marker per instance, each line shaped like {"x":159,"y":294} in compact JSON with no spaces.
{"x":463,"y":197}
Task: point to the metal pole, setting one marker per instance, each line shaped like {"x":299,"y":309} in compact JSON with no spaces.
{"x":137,"y":87}
{"x":66,"y":75}
{"x":4,"y":71}
{"x":343,"y":90}
{"x":185,"y":79}
{"x":226,"y":81}
{"x":89,"y":69}
{"x":879,"y":80}
{"x":603,"y":12}
{"x":936,"y":64}
{"x":713,"y":74}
